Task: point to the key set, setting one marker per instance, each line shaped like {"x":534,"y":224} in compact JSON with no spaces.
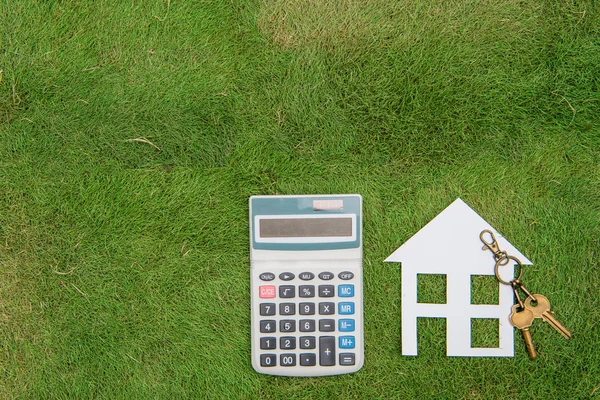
{"x":525,"y":312}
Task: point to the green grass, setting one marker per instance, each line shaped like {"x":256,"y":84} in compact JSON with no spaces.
{"x":124,"y":264}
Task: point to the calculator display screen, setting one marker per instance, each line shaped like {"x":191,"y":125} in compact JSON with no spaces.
{"x":306,"y":227}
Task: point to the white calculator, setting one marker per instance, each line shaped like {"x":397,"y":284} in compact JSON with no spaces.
{"x":306,"y":284}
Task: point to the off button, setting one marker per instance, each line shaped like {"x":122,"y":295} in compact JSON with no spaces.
{"x":346,"y":275}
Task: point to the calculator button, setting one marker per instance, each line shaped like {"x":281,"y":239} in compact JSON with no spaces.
{"x":267,"y":343}
{"x":307,"y":308}
{"x":327,"y":350}
{"x":326,"y":291}
{"x":267,"y":292}
{"x":347,"y":359}
{"x":287,"y":342}
{"x":287,"y":325}
{"x":287,"y":309}
{"x":326,"y":276}
{"x":268,"y":309}
{"x":287,"y":291}
{"x":307,"y":276}
{"x":308,"y":359}
{"x":307,"y":325}
{"x":288,"y":360}
{"x":326,"y":308}
{"x":306,"y":291}
{"x":346,"y":290}
{"x":346,"y":308}
{"x":307,"y":342}
{"x":345,"y":275}
{"x":346,"y":325}
{"x":286,"y":276}
{"x":268,"y":325}
{"x":326,"y":325}
{"x":346,"y":342}
{"x":266,"y":276}
{"x":268,"y":360}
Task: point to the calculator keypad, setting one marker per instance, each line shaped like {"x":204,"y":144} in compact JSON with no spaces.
{"x":307,"y":319}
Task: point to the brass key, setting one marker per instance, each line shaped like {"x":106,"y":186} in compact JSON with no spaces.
{"x":522,"y":318}
{"x":542,"y":310}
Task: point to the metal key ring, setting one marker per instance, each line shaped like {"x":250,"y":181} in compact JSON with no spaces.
{"x":500,"y":264}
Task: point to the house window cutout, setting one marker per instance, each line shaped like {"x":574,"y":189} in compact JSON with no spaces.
{"x":431,"y":288}
{"x":485,"y":289}
{"x":431,"y":337}
{"x":484,"y":333}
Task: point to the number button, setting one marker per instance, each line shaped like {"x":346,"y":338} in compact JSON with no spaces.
{"x":267,"y":309}
{"x":307,"y":325}
{"x":287,"y":325}
{"x":288,"y":360}
{"x":307,"y":308}
{"x":287,"y":309}
{"x":287,"y":291}
{"x":268,"y":326}
{"x":307,"y":342}
{"x":268,"y":360}
{"x":306,"y":291}
{"x":287,"y":343}
{"x":326,"y":291}
{"x":267,"y":343}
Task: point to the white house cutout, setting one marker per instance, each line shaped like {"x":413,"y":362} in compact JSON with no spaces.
{"x":450,"y":245}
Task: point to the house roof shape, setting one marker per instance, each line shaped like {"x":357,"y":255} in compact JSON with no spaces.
{"x":453,"y":234}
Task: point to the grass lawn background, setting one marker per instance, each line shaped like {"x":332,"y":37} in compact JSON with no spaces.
{"x":124,"y":263}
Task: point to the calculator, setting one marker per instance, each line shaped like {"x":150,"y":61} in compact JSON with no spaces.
{"x":306,"y":284}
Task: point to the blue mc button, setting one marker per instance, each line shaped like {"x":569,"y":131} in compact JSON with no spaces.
{"x":346,"y":290}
